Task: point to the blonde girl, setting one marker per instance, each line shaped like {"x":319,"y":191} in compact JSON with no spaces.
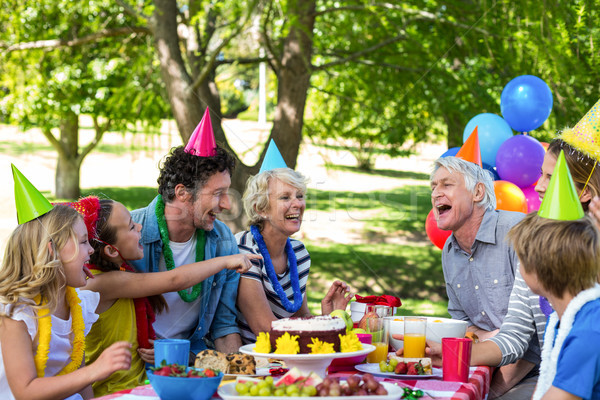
{"x":125,"y":312}
{"x":43,"y":314}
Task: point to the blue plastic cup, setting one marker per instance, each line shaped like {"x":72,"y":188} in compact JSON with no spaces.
{"x":172,"y":351}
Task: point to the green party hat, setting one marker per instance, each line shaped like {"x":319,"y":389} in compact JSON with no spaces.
{"x":561,"y":201}
{"x":29,"y":201}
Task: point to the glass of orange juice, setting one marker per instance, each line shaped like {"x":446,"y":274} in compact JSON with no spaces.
{"x":378,"y":327}
{"x":414,"y":337}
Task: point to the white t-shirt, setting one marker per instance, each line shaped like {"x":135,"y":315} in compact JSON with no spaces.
{"x":182,"y":318}
{"x":60,"y":339}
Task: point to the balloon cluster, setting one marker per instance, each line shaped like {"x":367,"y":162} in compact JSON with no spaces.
{"x":515,"y":161}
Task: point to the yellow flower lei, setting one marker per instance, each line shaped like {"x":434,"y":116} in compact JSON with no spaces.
{"x":45,"y":330}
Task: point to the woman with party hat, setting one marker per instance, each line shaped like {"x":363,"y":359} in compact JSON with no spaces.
{"x":44,"y":316}
{"x":274,"y":202}
{"x":129,"y":300}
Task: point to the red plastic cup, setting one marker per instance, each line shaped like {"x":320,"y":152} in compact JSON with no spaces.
{"x":456,"y":359}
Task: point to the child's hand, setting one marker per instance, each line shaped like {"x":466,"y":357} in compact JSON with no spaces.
{"x":147,"y":355}
{"x":241,"y":262}
{"x":116,"y":357}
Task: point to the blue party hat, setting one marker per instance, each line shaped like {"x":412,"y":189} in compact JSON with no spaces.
{"x":273,"y":158}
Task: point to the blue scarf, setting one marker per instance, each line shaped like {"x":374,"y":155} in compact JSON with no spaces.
{"x":262,"y":247}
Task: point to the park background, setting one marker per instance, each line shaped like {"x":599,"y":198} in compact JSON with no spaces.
{"x":359,"y":95}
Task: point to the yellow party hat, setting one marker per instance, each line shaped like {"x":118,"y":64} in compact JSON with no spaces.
{"x":585,"y":136}
{"x":561,"y":201}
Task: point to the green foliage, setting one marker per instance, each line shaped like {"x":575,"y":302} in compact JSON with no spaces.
{"x":107,"y":78}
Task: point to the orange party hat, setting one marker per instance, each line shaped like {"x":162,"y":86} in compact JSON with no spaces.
{"x":202,"y":142}
{"x":470,"y":149}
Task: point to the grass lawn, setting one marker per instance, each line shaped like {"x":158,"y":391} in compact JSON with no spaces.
{"x":410,"y":269}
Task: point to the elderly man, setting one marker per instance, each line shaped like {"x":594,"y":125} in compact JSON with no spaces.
{"x":479,"y":264}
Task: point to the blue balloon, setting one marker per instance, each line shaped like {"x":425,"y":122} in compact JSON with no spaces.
{"x":450,"y":152}
{"x":492,"y":170}
{"x":526,"y":102}
{"x":493,"y":131}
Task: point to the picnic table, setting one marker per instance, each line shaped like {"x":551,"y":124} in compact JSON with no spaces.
{"x":475,"y":389}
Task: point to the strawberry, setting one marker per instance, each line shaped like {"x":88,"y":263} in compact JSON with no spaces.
{"x":163,"y":371}
{"x":209,"y":373}
{"x":412,"y":369}
{"x":401,"y":368}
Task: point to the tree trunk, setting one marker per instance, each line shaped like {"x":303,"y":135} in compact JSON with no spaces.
{"x":293,"y":81}
{"x":188,"y":106}
{"x":455,"y":129}
{"x":68,"y":165}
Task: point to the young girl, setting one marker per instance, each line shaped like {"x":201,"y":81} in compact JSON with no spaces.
{"x":43,"y":317}
{"x":125,"y":313}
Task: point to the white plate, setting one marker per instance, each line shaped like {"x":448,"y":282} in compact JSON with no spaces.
{"x":228,"y":392}
{"x":249,"y":349}
{"x":374,"y":370}
{"x":259,"y":372}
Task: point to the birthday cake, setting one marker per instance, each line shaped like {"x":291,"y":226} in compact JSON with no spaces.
{"x":324,"y":328}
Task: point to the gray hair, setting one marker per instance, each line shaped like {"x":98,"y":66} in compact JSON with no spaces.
{"x":473,"y":174}
{"x":256,"y":195}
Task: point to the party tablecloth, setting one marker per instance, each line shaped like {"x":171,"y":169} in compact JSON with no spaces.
{"x":475,"y":389}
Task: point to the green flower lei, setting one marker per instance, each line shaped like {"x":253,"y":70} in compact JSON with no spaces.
{"x":168,"y":253}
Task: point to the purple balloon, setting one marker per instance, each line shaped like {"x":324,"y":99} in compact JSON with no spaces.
{"x":519,"y":160}
{"x":532,"y":197}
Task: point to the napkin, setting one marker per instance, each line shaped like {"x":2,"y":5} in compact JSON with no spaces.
{"x":385,"y":300}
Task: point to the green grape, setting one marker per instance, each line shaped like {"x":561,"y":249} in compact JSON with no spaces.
{"x":390,"y":368}
{"x":263,"y":384}
{"x":269,"y":379}
{"x":254,"y":390}
{"x":241,"y":388}
{"x":264,"y":391}
{"x":249,"y":384}
{"x":292,"y":390}
{"x":394,"y":362}
{"x":279,"y":392}
{"x":309,"y":390}
{"x":383,"y":366}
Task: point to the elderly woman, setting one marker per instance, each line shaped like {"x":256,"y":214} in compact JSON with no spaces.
{"x":276,"y":288}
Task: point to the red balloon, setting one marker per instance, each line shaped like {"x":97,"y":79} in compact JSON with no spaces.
{"x":436,"y":235}
{"x":509,"y":197}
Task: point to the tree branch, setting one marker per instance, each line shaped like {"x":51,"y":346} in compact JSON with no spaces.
{"x":426,"y":15}
{"x":133,"y":12}
{"x":54,"y":142}
{"x":210,"y":65}
{"x":357,"y":54}
{"x":57,"y":43}
{"x":253,"y":60}
{"x":99,"y":129}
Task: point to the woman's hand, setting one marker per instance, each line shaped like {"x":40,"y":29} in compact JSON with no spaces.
{"x":337,"y":298}
{"x":241,"y":262}
{"x":147,"y":355}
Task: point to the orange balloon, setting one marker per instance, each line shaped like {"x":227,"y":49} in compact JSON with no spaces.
{"x":509,"y":197}
{"x":545,"y":145}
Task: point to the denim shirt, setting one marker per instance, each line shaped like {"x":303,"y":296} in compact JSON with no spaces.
{"x":219,"y":292}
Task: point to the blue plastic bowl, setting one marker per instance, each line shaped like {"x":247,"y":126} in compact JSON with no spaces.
{"x":178,"y":388}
